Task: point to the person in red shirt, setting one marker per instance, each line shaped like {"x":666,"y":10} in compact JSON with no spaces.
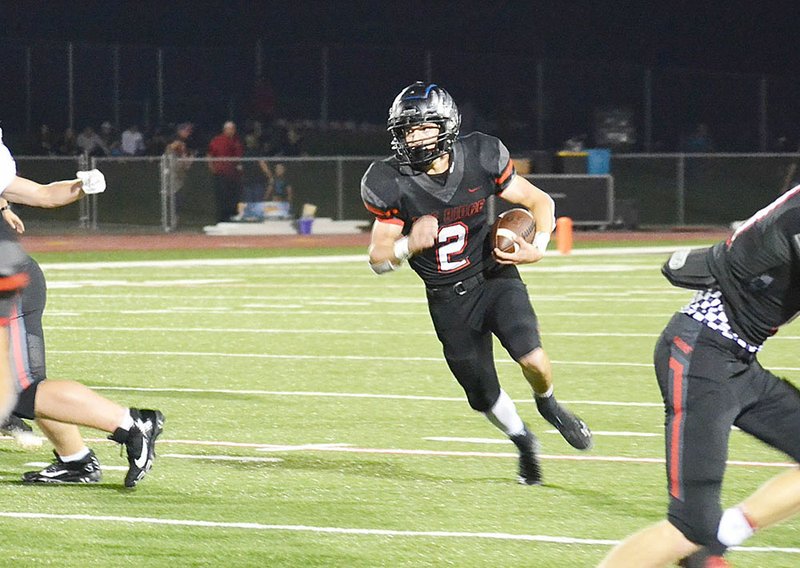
{"x":227,"y":172}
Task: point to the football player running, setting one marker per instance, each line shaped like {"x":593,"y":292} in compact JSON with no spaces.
{"x":60,"y":406}
{"x":430,"y":205}
{"x":711,"y":380}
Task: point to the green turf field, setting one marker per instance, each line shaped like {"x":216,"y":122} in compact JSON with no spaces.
{"x":312,"y":422}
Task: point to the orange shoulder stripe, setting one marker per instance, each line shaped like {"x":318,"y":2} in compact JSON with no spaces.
{"x":506,"y":172}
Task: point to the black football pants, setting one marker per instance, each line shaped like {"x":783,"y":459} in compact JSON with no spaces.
{"x":465,"y":323}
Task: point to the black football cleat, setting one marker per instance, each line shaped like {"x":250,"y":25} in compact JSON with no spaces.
{"x":86,"y":470}
{"x":529,"y":471}
{"x":140,"y":443}
{"x":573,"y":429}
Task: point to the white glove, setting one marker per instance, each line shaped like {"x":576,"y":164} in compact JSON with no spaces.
{"x":93,"y":181}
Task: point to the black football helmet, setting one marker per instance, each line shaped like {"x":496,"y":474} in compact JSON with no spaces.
{"x":418,"y":104}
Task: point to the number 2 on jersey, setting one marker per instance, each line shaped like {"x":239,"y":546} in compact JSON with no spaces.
{"x":452,"y":240}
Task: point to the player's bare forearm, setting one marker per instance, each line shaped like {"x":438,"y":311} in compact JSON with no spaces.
{"x":381,"y":251}
{"x":56,"y":194}
{"x":543,"y":210}
{"x":389,"y":248}
{"x":381,"y":248}
{"x":522,"y":192}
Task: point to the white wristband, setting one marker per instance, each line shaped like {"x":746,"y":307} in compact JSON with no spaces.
{"x":540,"y":240}
{"x":401,"y":251}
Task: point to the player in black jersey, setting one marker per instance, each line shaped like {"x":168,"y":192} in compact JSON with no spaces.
{"x":430,"y":204}
{"x":59,"y":406}
{"x":711,"y":380}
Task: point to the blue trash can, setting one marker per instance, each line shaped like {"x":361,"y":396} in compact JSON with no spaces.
{"x":598,"y":161}
{"x":304,"y":225}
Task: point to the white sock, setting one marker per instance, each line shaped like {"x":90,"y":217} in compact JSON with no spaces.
{"x":127,"y":420}
{"x":77,"y":456}
{"x":504,"y":415}
{"x":546,"y":394}
{"x":734,"y":528}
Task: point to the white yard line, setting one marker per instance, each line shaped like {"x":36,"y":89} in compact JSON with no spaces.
{"x":579,"y":458}
{"x":315,"y":260}
{"x":353,"y":395}
{"x":247,"y":459}
{"x":319,"y":357}
{"x":548,"y":539}
{"x":501,"y":441}
{"x":297,"y":309}
{"x":347,"y":448}
{"x":305,"y":528}
{"x":301,"y":357}
{"x":327,"y":331}
{"x":194,"y":262}
{"x":283,"y":331}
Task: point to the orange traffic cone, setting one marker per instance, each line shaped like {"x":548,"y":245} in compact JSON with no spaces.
{"x":564,"y":235}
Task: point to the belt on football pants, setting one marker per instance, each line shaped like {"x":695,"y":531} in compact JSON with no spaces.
{"x":458,"y":289}
{"x":741,"y":353}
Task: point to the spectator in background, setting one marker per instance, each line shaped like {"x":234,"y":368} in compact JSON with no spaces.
{"x":68,"y":145}
{"x":185,"y":132}
{"x":255,"y":175}
{"x":226,"y":173}
{"x":45,"y":144}
{"x":280,"y":189}
{"x":107,"y":133}
{"x":293,"y":145}
{"x":132,"y":141}
{"x":157,"y":141}
{"x":699,"y":140}
{"x":180,"y":144}
{"x":89,"y":142}
{"x":179,"y":148}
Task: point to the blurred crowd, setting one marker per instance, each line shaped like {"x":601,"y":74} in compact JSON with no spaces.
{"x":273,"y":138}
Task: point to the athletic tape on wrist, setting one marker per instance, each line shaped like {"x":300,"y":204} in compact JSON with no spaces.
{"x":540,"y":240}
{"x":401,"y":251}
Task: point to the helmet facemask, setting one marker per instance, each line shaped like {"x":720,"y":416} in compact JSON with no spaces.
{"x":423,"y":105}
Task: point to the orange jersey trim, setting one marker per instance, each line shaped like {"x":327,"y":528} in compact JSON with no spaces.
{"x":14,"y":282}
{"x":506,"y":173}
{"x":391,"y":220}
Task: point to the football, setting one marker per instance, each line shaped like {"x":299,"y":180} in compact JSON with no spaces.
{"x":510,"y":224}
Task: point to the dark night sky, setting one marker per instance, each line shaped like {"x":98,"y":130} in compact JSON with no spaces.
{"x":736,"y":36}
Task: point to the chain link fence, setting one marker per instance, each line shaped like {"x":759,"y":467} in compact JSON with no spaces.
{"x":169,"y":194}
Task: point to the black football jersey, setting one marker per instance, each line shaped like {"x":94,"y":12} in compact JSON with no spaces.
{"x":758,"y":269}
{"x":480,"y":166}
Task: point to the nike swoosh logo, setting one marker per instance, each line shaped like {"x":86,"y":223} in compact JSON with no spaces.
{"x":142,"y":459}
{"x":473,"y":189}
{"x":57,"y":473}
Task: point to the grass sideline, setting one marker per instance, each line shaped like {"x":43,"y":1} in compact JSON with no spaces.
{"x":337,"y":374}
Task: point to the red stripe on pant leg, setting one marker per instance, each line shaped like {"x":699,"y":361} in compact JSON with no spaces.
{"x":681,"y":344}
{"x":677,"y":426}
{"x":16,"y":339}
